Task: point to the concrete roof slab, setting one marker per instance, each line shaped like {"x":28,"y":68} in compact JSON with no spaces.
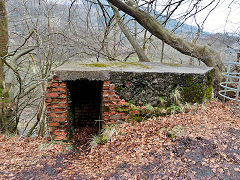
{"x":77,"y":70}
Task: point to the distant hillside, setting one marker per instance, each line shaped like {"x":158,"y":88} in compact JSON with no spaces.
{"x":61,"y":11}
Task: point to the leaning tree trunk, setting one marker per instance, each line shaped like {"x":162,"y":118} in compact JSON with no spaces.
{"x":201,"y":52}
{"x":5,"y":111}
{"x":140,"y":52}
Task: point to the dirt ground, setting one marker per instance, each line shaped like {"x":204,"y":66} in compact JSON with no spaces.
{"x":205,"y":145}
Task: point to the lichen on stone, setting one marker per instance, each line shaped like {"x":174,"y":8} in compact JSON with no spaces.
{"x":116,"y":64}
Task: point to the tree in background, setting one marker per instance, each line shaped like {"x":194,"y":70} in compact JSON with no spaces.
{"x":202,"y":52}
{"x":5,"y":102}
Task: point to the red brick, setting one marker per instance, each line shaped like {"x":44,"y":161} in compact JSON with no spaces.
{"x":63,"y":114}
{"x":105,"y":93}
{"x":105,"y":113}
{"x":63,"y":84}
{"x":134,"y":112}
{"x":112,"y":87}
{"x":112,"y":108}
{"x":106,"y":117}
{"x":105,"y":87}
{"x":58,"y":109}
{"x":112,"y":103}
{"x":54,"y":84}
{"x":64,"y":124}
{"x":106,"y":122}
{"x":60,"y":138}
{"x":106,"y":103}
{"x":122,"y":101}
{"x":48,"y":109}
{"x":52,"y":89}
{"x":53,"y":124}
{"x":62,"y":89}
{"x":111,"y":92}
{"x":55,"y":105}
{"x":103,"y":124}
{"x":63,"y":95}
{"x":113,"y":98}
{"x":106,"y":83}
{"x":52,"y":95}
{"x":48,"y":100}
{"x":112,"y":112}
{"x":65,"y":105}
{"x":47,"y":104}
{"x":105,"y":98}
{"x":56,"y":100}
{"x":59,"y":119}
{"x":57,"y":89}
{"x":59,"y":133}
{"x":55,"y":78}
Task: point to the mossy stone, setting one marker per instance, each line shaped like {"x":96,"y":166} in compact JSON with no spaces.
{"x":117,"y":64}
{"x":197,"y":90}
{"x":172,"y":64}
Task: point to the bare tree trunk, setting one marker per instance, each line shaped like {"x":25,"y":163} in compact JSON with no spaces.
{"x":115,"y":39}
{"x":145,"y":34}
{"x":135,"y":30}
{"x":141,"y":55}
{"x":144,"y":41}
{"x":136,"y":23}
{"x":162,"y":51}
{"x":4,"y":96}
{"x":3,"y":41}
{"x":201,"y":52}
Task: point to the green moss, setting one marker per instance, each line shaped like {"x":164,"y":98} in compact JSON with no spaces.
{"x":127,"y":108}
{"x":120,"y":109}
{"x":172,"y":64}
{"x":131,"y":101}
{"x":209,"y":89}
{"x":208,"y":93}
{"x":117,"y":64}
{"x":103,"y":139}
{"x":210,"y":77}
{"x":196,"y":90}
{"x":96,"y":65}
{"x":192,"y":91}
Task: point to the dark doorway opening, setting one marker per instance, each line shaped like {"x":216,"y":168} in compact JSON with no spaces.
{"x":85,"y":99}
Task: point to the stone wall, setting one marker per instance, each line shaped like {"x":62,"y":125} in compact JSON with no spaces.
{"x":147,"y":88}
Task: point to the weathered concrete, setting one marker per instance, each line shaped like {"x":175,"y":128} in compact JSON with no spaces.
{"x":101,"y":71}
